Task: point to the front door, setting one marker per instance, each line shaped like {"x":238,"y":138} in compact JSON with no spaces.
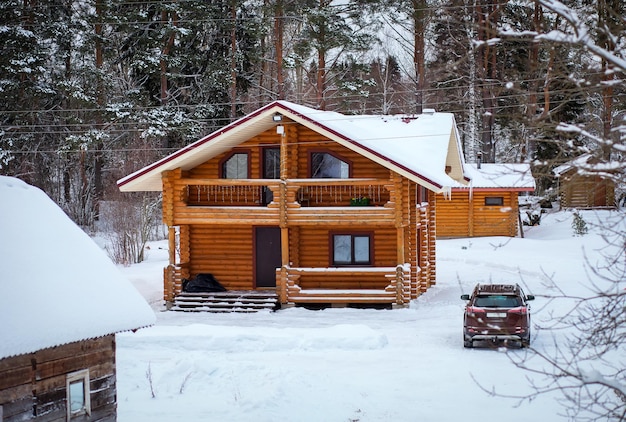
{"x":267,"y":255}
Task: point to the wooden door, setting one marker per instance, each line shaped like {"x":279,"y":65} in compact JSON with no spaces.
{"x":267,"y":256}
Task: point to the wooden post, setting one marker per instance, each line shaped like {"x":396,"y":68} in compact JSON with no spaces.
{"x":470,"y":215}
{"x":284,"y":230}
{"x":171,"y":244}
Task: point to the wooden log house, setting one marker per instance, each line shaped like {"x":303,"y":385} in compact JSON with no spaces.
{"x":320,"y":207}
{"x":488,"y":205}
{"x":583,"y":188}
{"x":63,"y":302}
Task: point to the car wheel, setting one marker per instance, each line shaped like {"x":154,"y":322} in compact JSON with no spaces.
{"x":468,"y":343}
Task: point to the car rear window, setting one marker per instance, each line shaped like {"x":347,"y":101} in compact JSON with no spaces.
{"x":497,"y":301}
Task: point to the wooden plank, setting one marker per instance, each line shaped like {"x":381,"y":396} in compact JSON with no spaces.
{"x":15,"y":393}
{"x":15,"y":377}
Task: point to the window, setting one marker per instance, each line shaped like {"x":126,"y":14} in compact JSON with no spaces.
{"x":351,"y":249}
{"x":236,"y":166}
{"x":326,"y":165}
{"x":271,"y":163}
{"x":78,"y":394}
{"x":271,"y":170}
{"x":494,"y":200}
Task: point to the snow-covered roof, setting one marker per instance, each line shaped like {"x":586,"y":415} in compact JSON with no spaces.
{"x":499,"y":176}
{"x":419,"y":147}
{"x":58,"y":286}
{"x":572,"y":164}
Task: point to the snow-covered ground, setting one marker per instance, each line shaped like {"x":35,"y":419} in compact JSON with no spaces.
{"x":358,"y":365}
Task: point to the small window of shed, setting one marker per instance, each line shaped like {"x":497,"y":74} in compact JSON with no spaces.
{"x":494,"y":200}
{"x":78,"y":394}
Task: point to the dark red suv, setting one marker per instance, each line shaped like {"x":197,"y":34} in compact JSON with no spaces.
{"x":495,"y":313}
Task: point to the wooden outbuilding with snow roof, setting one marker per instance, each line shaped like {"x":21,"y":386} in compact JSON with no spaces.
{"x":583,"y":184}
{"x":316,"y":206}
{"x":63,"y":302}
{"x":488,"y":205}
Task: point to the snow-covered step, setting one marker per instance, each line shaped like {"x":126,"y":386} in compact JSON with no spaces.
{"x":226,"y":302}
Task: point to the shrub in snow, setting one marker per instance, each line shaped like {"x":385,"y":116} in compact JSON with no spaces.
{"x":579,"y":225}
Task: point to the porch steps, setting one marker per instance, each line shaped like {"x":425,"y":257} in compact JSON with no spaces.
{"x":223,"y":302}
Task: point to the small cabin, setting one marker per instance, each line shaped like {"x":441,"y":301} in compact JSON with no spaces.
{"x":63,"y":301}
{"x":583,"y":189}
{"x":488,"y":205}
{"x":318,"y":207}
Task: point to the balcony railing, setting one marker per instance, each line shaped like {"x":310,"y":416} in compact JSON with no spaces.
{"x":397,"y":281}
{"x":304,"y":192}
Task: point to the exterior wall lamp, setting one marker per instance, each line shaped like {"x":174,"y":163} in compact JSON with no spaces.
{"x":277,"y":117}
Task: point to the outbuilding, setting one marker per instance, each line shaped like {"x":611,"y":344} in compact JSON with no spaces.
{"x":62,"y":302}
{"x":581,"y":188}
{"x":488,"y":205}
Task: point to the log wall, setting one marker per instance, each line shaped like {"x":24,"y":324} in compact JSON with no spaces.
{"x":462,"y":217}
{"x":314,"y":250}
{"x":33,"y":386}
{"x":224,"y":251}
{"x":586,"y":191}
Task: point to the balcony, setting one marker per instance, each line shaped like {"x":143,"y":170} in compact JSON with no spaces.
{"x":306,"y":201}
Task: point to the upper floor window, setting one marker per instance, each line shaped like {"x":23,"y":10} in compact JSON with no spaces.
{"x":327,"y":165}
{"x":236,"y":166}
{"x":494,"y":200}
{"x":351,"y":249}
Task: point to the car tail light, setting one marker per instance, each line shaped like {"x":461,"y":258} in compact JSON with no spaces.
{"x":519,"y":311}
{"x":474,"y":311}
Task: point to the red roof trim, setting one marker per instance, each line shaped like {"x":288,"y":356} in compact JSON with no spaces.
{"x":195,"y":145}
{"x":339,"y":135}
{"x":493,"y":189}
{"x":248,"y":117}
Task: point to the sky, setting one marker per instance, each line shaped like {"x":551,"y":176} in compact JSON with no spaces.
{"x":345,"y":364}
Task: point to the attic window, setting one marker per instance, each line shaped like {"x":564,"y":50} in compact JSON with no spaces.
{"x":78,"y":394}
{"x":328,"y":165}
{"x":494,"y":200}
{"x":236,"y":166}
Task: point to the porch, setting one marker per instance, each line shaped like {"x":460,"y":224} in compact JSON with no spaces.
{"x":359,"y":282}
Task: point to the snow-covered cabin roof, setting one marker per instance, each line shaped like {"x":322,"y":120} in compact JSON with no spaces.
{"x":572,"y":164}
{"x":419,"y":147}
{"x":491,"y":176}
{"x":58,"y":286}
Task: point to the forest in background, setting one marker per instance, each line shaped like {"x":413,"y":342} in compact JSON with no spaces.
{"x":92,"y":90}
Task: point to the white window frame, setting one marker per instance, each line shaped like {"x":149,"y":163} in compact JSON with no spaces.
{"x":82,"y":375}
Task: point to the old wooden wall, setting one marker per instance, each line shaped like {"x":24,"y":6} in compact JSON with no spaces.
{"x":33,"y":386}
{"x":586,"y":191}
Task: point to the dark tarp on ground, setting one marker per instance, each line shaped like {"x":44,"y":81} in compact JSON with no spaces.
{"x":202,"y":283}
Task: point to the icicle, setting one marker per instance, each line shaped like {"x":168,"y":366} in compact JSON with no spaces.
{"x":447,"y":192}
